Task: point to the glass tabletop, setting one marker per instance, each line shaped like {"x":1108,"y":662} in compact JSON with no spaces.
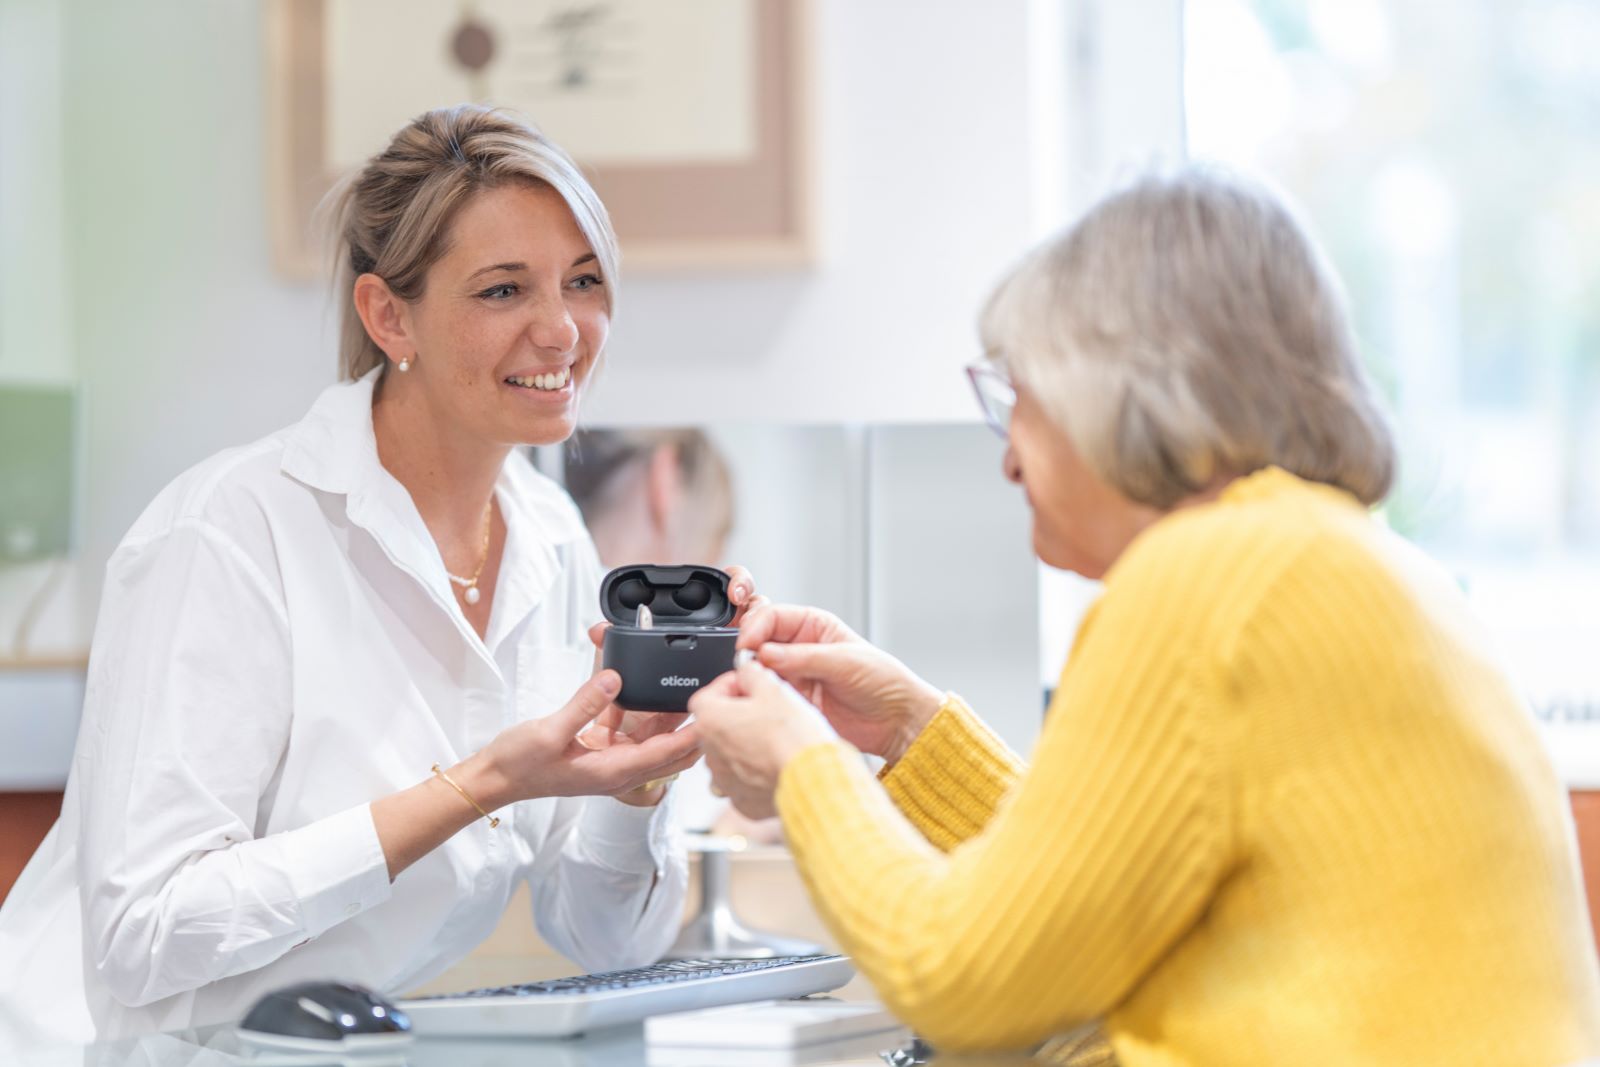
{"x":620,"y":1046}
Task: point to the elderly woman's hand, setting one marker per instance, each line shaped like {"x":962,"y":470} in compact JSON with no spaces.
{"x":872,"y":699}
{"x":751,"y":723}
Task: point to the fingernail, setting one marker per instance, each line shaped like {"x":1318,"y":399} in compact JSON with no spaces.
{"x":741,"y":592}
{"x":610,"y":683}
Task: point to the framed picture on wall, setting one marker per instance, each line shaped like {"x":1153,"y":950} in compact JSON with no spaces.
{"x":692,"y":118}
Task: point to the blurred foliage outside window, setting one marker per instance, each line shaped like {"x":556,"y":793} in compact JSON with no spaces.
{"x":1447,"y":156}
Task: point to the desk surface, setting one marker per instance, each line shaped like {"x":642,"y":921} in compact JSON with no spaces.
{"x":621,"y":1046}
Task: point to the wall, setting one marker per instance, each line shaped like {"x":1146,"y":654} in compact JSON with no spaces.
{"x":923,"y":178}
{"x":135,"y":259}
{"x":952,"y":583}
{"x":35,"y":343}
{"x":800,"y":513}
{"x":186,"y":343}
{"x":35,"y":327}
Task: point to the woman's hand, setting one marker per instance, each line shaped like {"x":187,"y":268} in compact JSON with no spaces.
{"x":872,"y":699}
{"x":537,"y":758}
{"x":617,"y":726}
{"x":742,"y":592}
{"x":752,"y":723}
{"x":543,"y":757}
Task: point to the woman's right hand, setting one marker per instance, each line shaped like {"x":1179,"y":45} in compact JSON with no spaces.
{"x":872,"y":699}
{"x":536,"y":758}
{"x":543,"y":758}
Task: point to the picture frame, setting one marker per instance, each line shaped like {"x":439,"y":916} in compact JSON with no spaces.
{"x":751,"y":209}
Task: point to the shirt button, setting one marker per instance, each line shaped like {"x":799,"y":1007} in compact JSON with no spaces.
{"x":352,"y":909}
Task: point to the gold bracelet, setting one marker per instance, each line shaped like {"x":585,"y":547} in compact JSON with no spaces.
{"x":493,"y":821}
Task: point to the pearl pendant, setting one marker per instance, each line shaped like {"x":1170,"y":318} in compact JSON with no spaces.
{"x":471,"y":596}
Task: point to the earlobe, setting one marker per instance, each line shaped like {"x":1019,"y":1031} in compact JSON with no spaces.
{"x":1011,"y":466}
{"x":383,"y":315}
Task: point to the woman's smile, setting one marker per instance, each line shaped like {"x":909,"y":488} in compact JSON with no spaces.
{"x":543,"y":386}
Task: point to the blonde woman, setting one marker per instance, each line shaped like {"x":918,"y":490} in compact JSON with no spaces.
{"x":340,"y":675}
{"x":1285,"y":809}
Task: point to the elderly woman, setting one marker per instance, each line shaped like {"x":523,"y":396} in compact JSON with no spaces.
{"x":340,"y":691}
{"x":1285,"y":807}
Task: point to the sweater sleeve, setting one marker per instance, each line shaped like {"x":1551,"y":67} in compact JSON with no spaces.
{"x":953,"y":776}
{"x":1100,"y":860}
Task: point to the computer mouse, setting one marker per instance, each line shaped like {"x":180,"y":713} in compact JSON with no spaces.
{"x":325,"y":1016}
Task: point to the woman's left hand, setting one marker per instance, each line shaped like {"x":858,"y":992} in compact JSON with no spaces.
{"x":752,"y":723}
{"x":617,"y":725}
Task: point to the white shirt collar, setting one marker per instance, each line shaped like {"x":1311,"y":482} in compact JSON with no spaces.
{"x":334,"y":445}
{"x":334,"y":449}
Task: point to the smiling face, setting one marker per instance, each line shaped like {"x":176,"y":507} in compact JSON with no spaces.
{"x":512,"y":319}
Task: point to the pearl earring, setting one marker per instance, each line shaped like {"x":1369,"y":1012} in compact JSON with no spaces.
{"x":404,"y":365}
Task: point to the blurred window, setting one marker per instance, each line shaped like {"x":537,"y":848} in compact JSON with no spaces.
{"x":1446,"y":156}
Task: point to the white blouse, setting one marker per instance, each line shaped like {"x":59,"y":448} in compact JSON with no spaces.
{"x":278,"y":645}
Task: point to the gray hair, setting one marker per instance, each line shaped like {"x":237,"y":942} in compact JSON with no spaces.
{"x":392,"y":218}
{"x":1187,"y":328}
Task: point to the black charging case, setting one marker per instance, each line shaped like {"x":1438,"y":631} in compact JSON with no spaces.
{"x":688,"y":644}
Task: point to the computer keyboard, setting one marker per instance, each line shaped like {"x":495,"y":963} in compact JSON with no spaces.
{"x":561,"y":1007}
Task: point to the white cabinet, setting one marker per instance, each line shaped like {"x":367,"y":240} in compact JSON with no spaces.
{"x":39,"y":712}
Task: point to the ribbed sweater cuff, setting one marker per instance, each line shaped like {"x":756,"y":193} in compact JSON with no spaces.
{"x":952,"y":778}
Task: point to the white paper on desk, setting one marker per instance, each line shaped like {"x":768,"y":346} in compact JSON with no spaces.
{"x":773,"y":1024}
{"x":855,"y":1052}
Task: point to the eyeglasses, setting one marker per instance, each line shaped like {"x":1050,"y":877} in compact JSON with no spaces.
{"x":996,"y":395}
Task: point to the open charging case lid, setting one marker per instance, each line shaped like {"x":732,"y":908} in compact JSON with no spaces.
{"x":682,"y":597}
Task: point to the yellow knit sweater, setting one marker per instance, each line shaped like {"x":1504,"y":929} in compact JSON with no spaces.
{"x":1284,"y":810}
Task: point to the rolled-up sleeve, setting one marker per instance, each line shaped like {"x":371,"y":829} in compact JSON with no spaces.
{"x":186,"y":720}
{"x":619,"y":888}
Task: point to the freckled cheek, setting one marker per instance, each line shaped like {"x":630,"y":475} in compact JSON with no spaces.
{"x":478,"y":348}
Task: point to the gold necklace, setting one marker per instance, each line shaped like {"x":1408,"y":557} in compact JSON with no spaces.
{"x":469,"y":586}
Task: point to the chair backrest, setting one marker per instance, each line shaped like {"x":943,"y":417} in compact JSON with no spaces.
{"x":1586,"y":819}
